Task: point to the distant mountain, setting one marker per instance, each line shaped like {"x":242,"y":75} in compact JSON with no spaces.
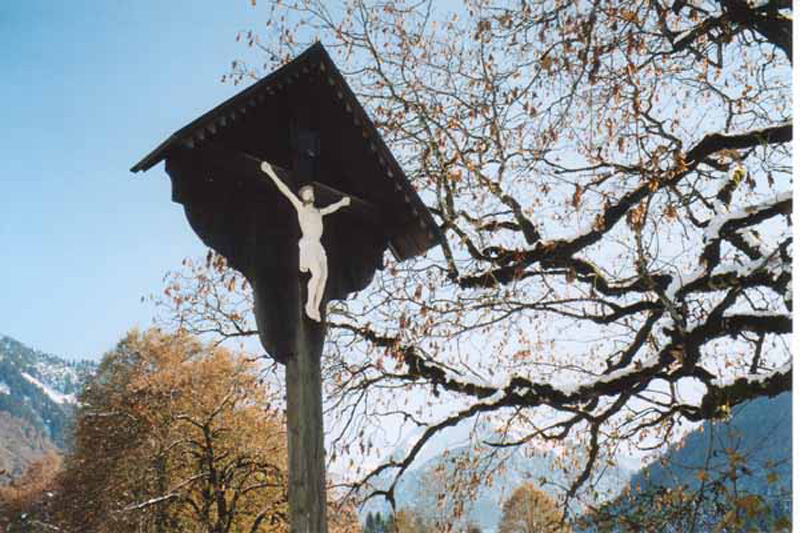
{"x":37,"y":402}
{"x":20,"y":445}
{"x":499,"y":474}
{"x":750,"y":454}
{"x":759,"y":431}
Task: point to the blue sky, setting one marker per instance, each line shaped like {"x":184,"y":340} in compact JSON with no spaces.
{"x":88,"y":88}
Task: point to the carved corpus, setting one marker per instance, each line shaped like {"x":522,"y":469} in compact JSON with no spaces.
{"x":298,"y":134}
{"x":312,"y":254}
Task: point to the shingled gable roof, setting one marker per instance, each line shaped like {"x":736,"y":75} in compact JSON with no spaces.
{"x":259,"y":94}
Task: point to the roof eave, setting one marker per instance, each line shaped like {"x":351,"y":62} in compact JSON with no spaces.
{"x":227,"y":108}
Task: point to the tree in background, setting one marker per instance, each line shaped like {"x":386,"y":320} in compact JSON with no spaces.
{"x":683,"y":509}
{"x":725,"y":476}
{"x":172,"y":435}
{"x":613,"y":182}
{"x":25,"y":503}
{"x":410,"y":521}
{"x":342,"y":515}
{"x":530,"y":510}
{"x":376,"y":523}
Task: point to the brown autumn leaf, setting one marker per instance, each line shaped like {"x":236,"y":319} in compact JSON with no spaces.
{"x":576,"y":196}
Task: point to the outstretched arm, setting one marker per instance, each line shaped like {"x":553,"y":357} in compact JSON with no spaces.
{"x":287,"y":192}
{"x":344,"y":202}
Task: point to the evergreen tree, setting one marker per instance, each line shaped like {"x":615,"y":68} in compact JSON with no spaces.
{"x":369,"y":525}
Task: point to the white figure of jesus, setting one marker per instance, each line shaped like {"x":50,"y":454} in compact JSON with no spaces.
{"x":312,"y":254}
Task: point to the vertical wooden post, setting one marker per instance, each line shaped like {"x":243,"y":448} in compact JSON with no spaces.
{"x":221,"y":186}
{"x":307,"y":498}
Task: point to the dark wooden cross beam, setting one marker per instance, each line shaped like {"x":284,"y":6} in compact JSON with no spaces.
{"x":325,"y":194}
{"x":306,"y":123}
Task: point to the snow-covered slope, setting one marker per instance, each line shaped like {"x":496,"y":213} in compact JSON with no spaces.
{"x":53,"y":394}
{"x":39,"y":389}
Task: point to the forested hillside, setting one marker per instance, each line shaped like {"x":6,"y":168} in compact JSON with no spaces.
{"x":759,"y":433}
{"x":37,"y":401}
{"x":736,"y":471}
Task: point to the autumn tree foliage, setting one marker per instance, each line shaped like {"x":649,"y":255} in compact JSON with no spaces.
{"x":529,"y":510}
{"x":342,"y":515}
{"x":411,"y":521}
{"x":613,"y":182}
{"x":733,"y":476}
{"x":682,"y":508}
{"x":173,"y":435}
{"x":25,"y":503}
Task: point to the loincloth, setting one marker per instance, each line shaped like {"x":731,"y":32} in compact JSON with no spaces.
{"x":312,"y":253}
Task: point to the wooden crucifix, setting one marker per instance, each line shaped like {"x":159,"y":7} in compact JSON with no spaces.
{"x":260,"y":177}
